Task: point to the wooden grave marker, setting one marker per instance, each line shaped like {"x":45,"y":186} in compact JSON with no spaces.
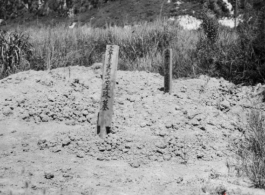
{"x":168,"y":71}
{"x":102,"y":68}
{"x":107,"y":93}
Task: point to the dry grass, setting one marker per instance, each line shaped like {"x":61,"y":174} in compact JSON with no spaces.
{"x":251,"y":150}
{"x":141,"y":48}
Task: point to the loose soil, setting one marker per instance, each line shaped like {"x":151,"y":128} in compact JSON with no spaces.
{"x":179,"y":143}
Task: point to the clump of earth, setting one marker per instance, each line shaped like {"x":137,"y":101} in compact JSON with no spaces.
{"x":160,"y":143}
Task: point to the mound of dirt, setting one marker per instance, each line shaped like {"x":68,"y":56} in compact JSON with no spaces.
{"x":176,"y":142}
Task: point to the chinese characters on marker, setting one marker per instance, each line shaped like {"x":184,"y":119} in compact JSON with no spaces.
{"x":105,"y":94}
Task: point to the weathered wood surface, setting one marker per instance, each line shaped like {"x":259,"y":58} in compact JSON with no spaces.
{"x":168,"y":71}
{"x":102,"y":68}
{"x":107,"y":93}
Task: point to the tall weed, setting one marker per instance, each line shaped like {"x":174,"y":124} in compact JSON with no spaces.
{"x":15,"y":53}
{"x":251,"y":149}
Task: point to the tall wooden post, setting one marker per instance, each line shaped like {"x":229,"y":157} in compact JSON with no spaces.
{"x":107,"y":93}
{"x":168,"y":71}
{"x":102,"y":68}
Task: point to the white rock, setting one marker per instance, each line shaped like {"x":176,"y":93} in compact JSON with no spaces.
{"x":73,"y":25}
{"x":229,"y":6}
{"x":189,"y":22}
{"x":230,"y":22}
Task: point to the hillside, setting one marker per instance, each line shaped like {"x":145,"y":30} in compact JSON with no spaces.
{"x":120,"y":12}
{"x":99,"y":13}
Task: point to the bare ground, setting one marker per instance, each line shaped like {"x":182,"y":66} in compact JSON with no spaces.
{"x":160,"y":143}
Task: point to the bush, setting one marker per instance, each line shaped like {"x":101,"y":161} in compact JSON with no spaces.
{"x":241,"y":60}
{"x":207,"y":51}
{"x":251,"y":149}
{"x":15,"y":52}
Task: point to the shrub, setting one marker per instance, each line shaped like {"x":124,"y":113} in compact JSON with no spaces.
{"x":241,"y":60}
{"x":207,"y":51}
{"x":15,"y":52}
{"x":251,"y":46}
{"x":251,"y":149}
{"x":210,"y":25}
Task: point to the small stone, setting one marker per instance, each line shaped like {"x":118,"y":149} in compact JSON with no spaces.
{"x":114,"y":158}
{"x":56,"y":149}
{"x":108,"y":148}
{"x":44,"y":118}
{"x":7,"y":111}
{"x":183,"y":89}
{"x":80,"y":154}
{"x":97,"y":65}
{"x":128,"y":146}
{"x":153,"y":158}
{"x":128,"y":139}
{"x":191,"y":114}
{"x":161,"y":145}
{"x":179,"y":179}
{"x":95,"y":98}
{"x":194,"y":122}
{"x":21,"y":100}
{"x":68,"y":122}
{"x":168,"y":125}
{"x":202,"y":127}
{"x":160,"y":159}
{"x":6,"y":104}
{"x":85,"y":112}
{"x":143,"y":124}
{"x":225,"y":104}
{"x":161,"y":151}
{"x":66,"y":141}
{"x":131,"y":98}
{"x":48,"y":175}
{"x":100,"y":158}
{"x":218,"y":153}
{"x":181,"y":96}
{"x":51,"y":98}
{"x":101,"y":148}
{"x":135,"y":164}
{"x":221,"y":189}
{"x":200,"y":155}
{"x":8,"y":99}
{"x":162,"y":133}
{"x":177,"y":107}
{"x":167,"y":157}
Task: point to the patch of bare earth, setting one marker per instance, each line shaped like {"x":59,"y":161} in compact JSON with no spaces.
{"x":160,"y":144}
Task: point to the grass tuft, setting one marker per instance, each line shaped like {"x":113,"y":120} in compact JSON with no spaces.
{"x":251,"y":149}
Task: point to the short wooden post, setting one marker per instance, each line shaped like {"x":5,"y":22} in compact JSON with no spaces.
{"x":168,"y":71}
{"x":107,"y":93}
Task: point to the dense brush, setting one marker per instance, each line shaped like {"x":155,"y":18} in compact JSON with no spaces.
{"x":15,"y":52}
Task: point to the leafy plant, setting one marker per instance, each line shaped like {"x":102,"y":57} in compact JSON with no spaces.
{"x":15,"y":52}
